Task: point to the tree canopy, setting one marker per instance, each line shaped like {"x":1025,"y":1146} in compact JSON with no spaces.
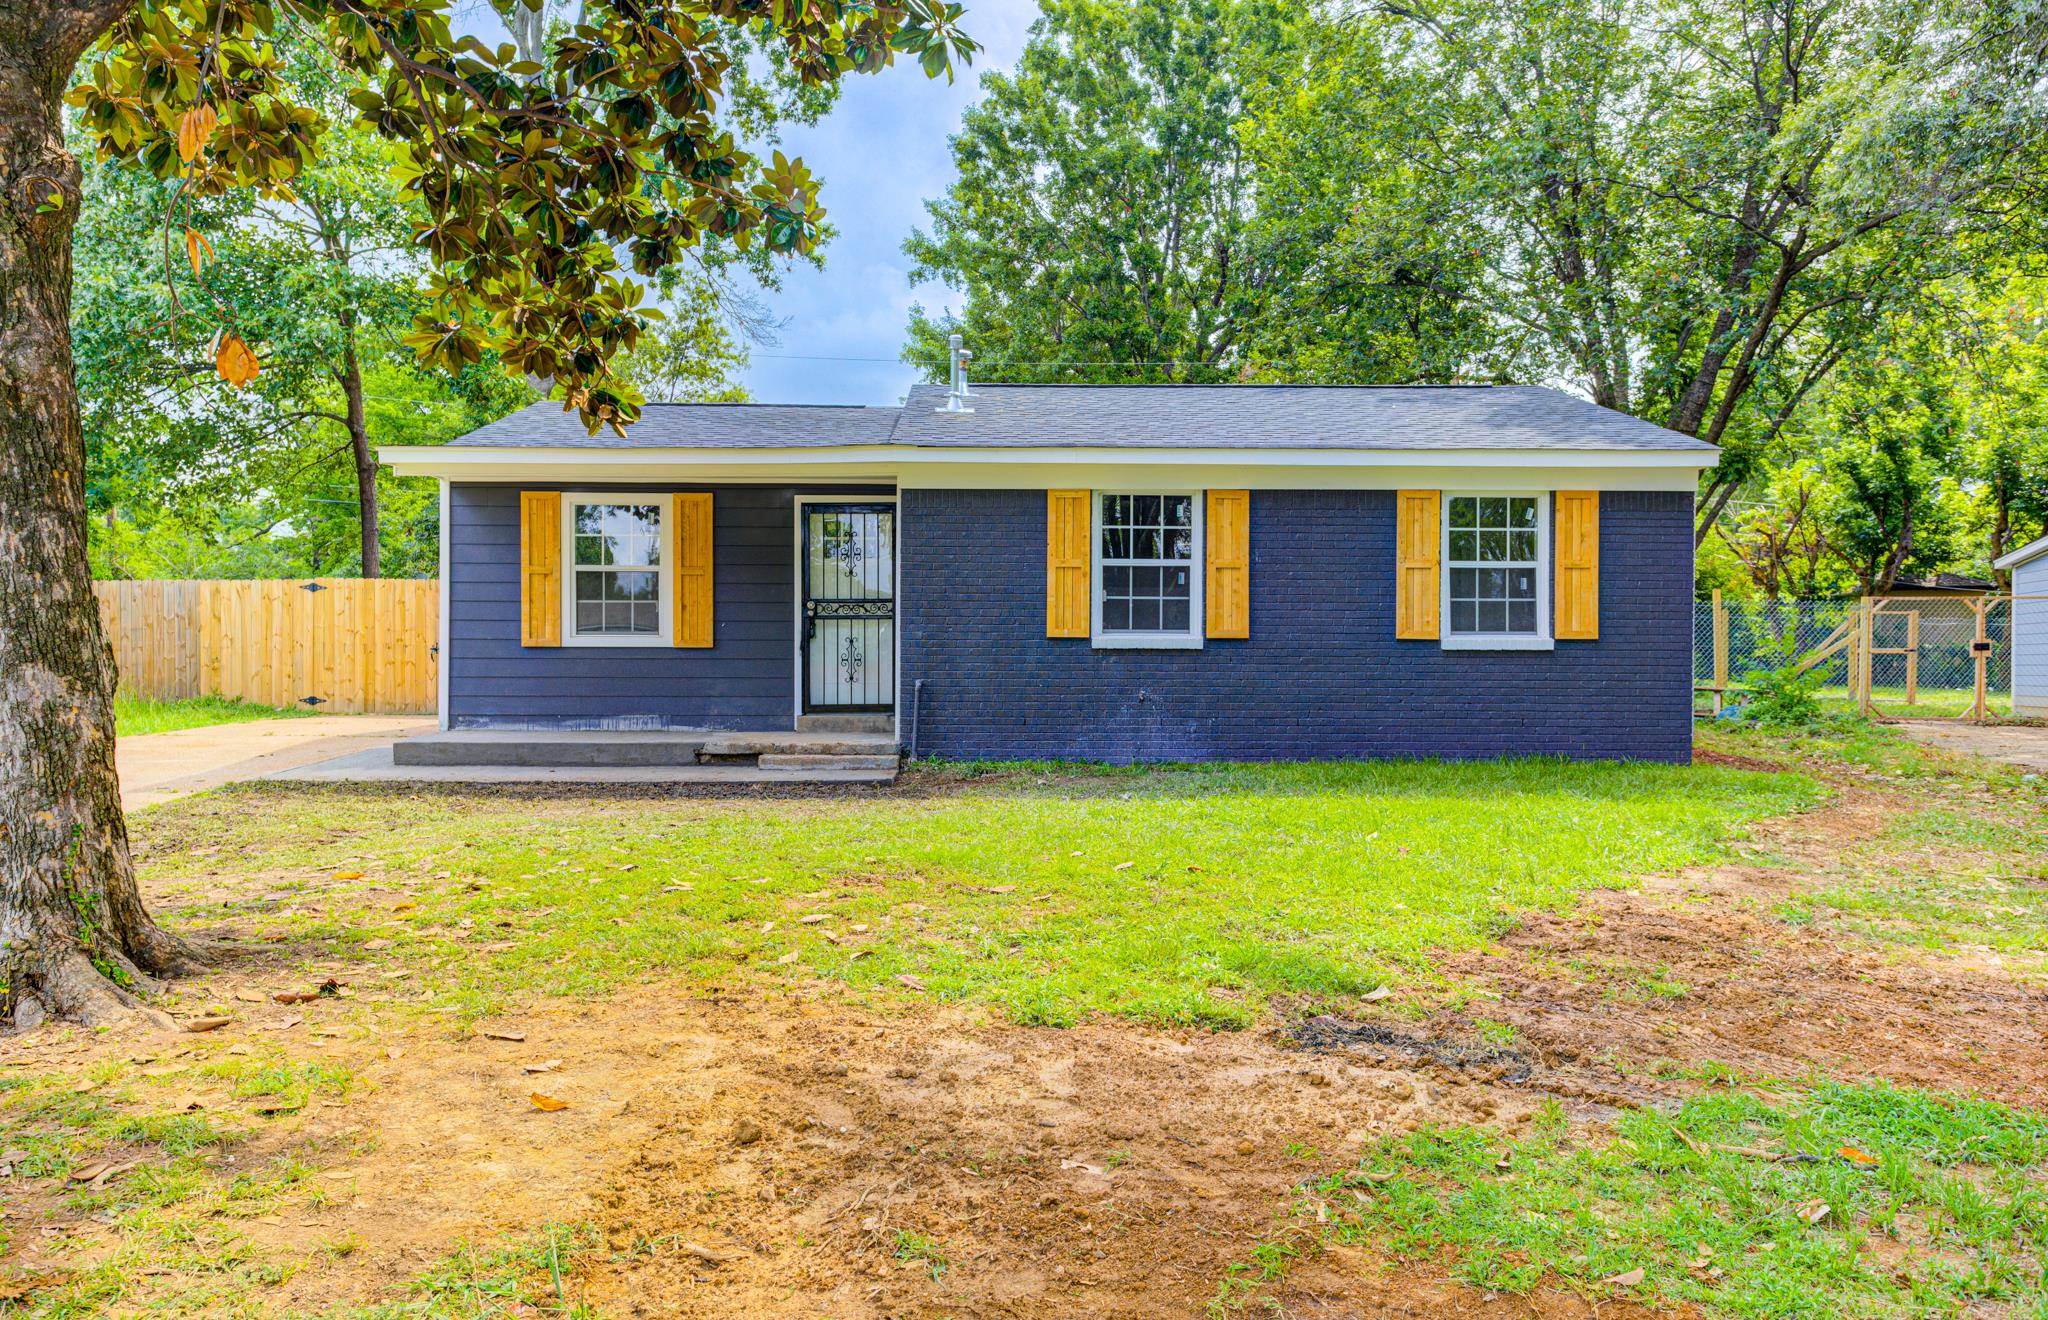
{"x":1695,"y":215}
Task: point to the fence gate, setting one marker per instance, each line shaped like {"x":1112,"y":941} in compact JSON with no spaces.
{"x":339,"y":645}
{"x":1915,"y":657}
{"x":1932,"y":657}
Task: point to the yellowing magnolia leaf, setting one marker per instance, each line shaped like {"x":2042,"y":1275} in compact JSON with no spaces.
{"x":195,"y":129}
{"x":198,"y":248}
{"x":547,"y":1104}
{"x":234,"y":361}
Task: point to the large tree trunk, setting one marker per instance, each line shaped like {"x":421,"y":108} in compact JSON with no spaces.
{"x":74,"y":938}
{"x":359,"y":449}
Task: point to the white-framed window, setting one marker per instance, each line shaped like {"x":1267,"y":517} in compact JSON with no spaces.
{"x":1146,"y":577}
{"x":1496,"y":571}
{"x":615,"y":571}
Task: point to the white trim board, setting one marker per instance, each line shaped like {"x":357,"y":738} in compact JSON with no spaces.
{"x":1041,"y":469}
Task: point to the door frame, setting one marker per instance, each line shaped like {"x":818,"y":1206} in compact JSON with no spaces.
{"x":796,"y":593}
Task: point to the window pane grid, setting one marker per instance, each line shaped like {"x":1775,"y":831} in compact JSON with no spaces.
{"x":1146,"y":552}
{"x":617,"y":559}
{"x":1493,"y":558}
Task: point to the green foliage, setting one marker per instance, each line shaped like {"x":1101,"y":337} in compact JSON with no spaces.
{"x":532,"y":172}
{"x":1783,"y":696}
{"x":1100,"y":218}
{"x":1836,"y":1200}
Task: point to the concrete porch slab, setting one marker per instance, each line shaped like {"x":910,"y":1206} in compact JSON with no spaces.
{"x":376,"y":766}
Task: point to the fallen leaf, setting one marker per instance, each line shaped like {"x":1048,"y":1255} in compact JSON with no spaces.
{"x":1123,"y":866}
{"x":501,"y":1033}
{"x":348,"y":875}
{"x":1855,"y":1156}
{"x":905,"y":978}
{"x":207,"y":1023}
{"x":548,"y":1065}
{"x":547,"y":1104}
{"x":705,"y":1254}
{"x":85,"y":1173}
{"x":813,"y":918}
{"x":1377,"y":993}
{"x":249,"y":996}
{"x":1002,"y":889}
{"x":1626,"y":1279}
{"x":788,"y":958}
{"x":1812,"y":1211}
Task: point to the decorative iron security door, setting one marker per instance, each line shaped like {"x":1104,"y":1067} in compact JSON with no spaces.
{"x":849,"y":607}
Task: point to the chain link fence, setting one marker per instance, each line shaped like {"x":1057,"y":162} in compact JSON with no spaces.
{"x":1923,"y":649}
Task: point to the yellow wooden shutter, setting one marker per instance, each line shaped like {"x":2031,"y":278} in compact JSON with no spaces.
{"x":1066,"y":563}
{"x":1578,"y":565}
{"x":540,"y":568}
{"x":690,"y":559}
{"x":1418,"y":516}
{"x":1229,"y":551}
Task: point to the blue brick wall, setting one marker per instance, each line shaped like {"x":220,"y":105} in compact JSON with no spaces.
{"x":744,"y":681}
{"x":1321,"y":675}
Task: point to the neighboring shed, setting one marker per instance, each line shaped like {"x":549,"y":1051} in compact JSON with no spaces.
{"x":2029,"y":568}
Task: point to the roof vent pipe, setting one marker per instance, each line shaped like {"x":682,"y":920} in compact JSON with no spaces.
{"x":956,"y":390}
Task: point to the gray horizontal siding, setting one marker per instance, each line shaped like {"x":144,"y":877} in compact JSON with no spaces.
{"x":1321,"y":675}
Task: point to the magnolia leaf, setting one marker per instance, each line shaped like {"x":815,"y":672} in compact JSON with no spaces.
{"x":195,"y":129}
{"x":234,"y":361}
{"x":198,"y":248}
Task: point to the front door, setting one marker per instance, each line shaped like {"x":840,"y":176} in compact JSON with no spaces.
{"x":849,"y":607}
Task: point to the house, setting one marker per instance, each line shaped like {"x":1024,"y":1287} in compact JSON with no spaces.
{"x":1941,"y":586}
{"x":2029,"y":568}
{"x":1120,"y":573}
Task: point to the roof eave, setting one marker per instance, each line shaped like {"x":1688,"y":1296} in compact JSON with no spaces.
{"x":2020,"y":556}
{"x":454,"y":461}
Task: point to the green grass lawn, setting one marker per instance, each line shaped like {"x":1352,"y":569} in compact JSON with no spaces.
{"x":1189,"y":895}
{"x":1824,"y":1200}
{"x":135,"y":715}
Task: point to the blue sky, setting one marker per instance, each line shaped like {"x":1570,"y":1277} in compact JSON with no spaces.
{"x":881,"y":153}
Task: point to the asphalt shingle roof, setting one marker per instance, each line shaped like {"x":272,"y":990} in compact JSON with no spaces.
{"x":1473,"y":417}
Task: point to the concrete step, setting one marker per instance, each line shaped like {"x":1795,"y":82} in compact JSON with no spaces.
{"x":825,"y":761}
{"x":549,"y":748}
{"x":869,"y":723}
{"x":719,"y":745}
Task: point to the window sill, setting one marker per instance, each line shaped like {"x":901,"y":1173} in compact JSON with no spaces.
{"x":1496,"y":642}
{"x":573,"y":640}
{"x":1147,"y":641}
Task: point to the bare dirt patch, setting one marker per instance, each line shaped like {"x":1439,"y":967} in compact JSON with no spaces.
{"x":1693,"y":970}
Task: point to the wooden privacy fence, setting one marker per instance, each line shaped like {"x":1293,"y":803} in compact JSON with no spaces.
{"x":345,"y":645}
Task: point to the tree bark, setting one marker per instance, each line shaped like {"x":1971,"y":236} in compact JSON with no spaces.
{"x":359,"y":448}
{"x":74,"y":937}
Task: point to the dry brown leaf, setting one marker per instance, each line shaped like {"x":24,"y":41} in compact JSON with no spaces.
{"x":1123,"y":866}
{"x":547,"y":1104}
{"x":546,"y":1065}
{"x":1002,"y":889}
{"x":237,"y":365}
{"x":1812,"y":1211}
{"x":207,"y":1023}
{"x":813,"y":918}
{"x":788,"y":958}
{"x":195,"y":129}
{"x":905,"y":978}
{"x":1626,"y":1279}
{"x":705,"y":1254}
{"x":501,"y":1033}
{"x":198,"y":249}
{"x":1377,"y":993}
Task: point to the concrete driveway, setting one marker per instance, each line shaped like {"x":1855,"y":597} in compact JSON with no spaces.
{"x":2023,"y":745}
{"x":161,"y":766}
